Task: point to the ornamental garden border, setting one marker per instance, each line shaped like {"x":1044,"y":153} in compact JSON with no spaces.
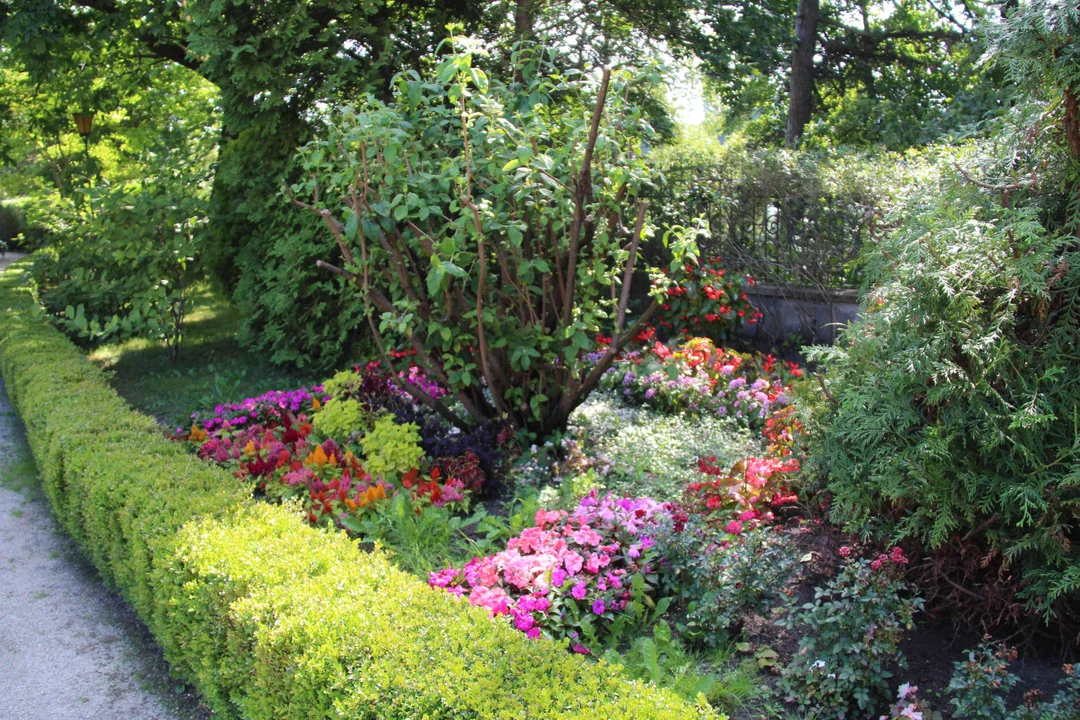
{"x":267,"y":617}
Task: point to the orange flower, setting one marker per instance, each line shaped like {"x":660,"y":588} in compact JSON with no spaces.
{"x":315,"y":404}
{"x":372,"y":494}
{"x":249,"y":449}
{"x":318,"y":457}
{"x":197,"y":434}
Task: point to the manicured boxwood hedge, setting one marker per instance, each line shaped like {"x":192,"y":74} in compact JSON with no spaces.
{"x":268,"y":617}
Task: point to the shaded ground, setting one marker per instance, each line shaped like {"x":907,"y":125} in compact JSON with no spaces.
{"x":69,"y":648}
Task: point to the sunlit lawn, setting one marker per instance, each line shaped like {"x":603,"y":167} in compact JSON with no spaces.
{"x":212,"y":368}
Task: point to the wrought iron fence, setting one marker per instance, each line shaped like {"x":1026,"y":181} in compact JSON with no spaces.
{"x":786,"y":218}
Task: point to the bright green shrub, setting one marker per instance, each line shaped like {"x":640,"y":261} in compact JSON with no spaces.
{"x":341,"y":382}
{"x":391,"y":448}
{"x":269,"y":618}
{"x":340,"y":418}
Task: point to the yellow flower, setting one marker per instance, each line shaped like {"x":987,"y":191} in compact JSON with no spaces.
{"x":249,"y":449}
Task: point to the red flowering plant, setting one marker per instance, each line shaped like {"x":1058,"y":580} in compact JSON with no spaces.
{"x":743,"y":496}
{"x":705,"y":299}
{"x":576,"y":577}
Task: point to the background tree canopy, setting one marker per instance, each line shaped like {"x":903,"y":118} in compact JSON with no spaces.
{"x":861,"y":74}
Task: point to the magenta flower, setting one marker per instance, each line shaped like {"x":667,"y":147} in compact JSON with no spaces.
{"x":579,"y":591}
{"x":598,"y":607}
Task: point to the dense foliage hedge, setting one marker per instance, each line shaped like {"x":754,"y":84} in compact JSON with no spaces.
{"x":269,"y":618}
{"x":952,"y":413}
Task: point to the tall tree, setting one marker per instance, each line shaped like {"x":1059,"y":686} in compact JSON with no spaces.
{"x":825,"y":54}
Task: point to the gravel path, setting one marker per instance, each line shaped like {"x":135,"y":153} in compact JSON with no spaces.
{"x":69,"y":648}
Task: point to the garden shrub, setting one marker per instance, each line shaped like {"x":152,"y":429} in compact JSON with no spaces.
{"x":340,"y":418}
{"x":267,"y":617}
{"x":721,"y":579}
{"x":981,"y":683}
{"x":125,"y":268}
{"x":391,"y":448}
{"x":850,"y":638}
{"x":951,"y":410}
{"x":491,"y":226}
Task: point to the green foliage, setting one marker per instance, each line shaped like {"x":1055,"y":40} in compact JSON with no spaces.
{"x":643,"y":452}
{"x":12,"y":221}
{"x":340,"y":383}
{"x":340,"y":418}
{"x":267,"y":617}
{"x":488,"y":224}
{"x":884,"y":74}
{"x":953,"y":411}
{"x":981,"y":684}
{"x":662,"y":660}
{"x":390,"y":448}
{"x":783,"y":216}
{"x":124,"y":265}
{"x":419,"y":536}
{"x":722,"y":579}
{"x":850,"y":637}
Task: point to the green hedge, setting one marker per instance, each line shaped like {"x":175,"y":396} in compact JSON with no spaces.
{"x":268,"y":617}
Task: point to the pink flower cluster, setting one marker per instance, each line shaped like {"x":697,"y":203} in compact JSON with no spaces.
{"x":568,"y":567}
{"x":895,"y":556}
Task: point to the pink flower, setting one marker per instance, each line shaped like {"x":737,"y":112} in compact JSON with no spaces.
{"x":875,"y":564}
{"x":533,"y":633}
{"x":845,"y":551}
{"x":573,"y":562}
{"x":734,"y":527}
{"x":579,"y":591}
{"x":580,"y":649}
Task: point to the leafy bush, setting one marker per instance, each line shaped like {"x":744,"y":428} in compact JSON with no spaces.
{"x":391,"y":449}
{"x":723,"y":578}
{"x":951,"y":418}
{"x":850,"y":638}
{"x":340,"y":418}
{"x":124,"y":267}
{"x":269,"y":618}
{"x":981,"y":683}
{"x":707,"y":300}
{"x":12,"y":221}
{"x":493,"y":227}
{"x":782,"y":216}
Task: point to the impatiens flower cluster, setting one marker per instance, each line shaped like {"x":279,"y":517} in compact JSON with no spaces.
{"x":570,"y":574}
{"x":704,"y":298}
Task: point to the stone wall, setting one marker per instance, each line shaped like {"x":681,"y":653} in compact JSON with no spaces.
{"x":813,"y":315}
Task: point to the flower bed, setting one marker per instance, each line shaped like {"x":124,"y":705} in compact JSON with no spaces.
{"x":349,"y":449}
{"x":268,"y":618}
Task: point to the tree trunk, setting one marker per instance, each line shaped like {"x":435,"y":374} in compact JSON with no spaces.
{"x":523,"y":19}
{"x":801,"y":91}
{"x":1072,"y":122}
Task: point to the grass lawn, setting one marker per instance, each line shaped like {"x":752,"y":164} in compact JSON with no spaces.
{"x":212,"y":368}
